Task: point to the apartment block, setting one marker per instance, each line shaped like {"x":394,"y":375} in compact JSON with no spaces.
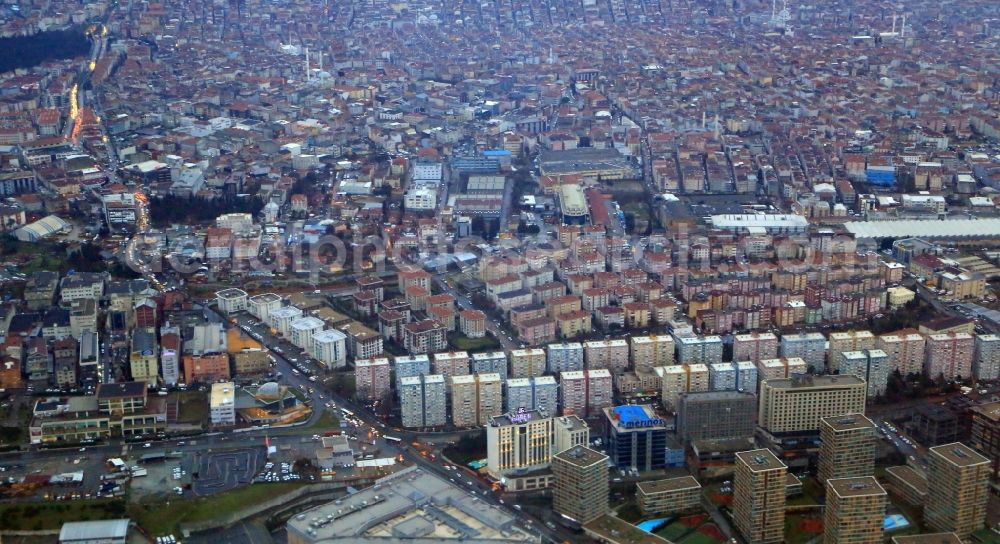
{"x":669,"y":496}
{"x":848,"y":447}
{"x":950,"y":355}
{"x":906,"y":350}
{"x":755,"y":346}
{"x":475,"y":398}
{"x":699,"y":349}
{"x":716,"y":415}
{"x":450,"y":363}
{"x":777,"y":369}
{"x":871,"y":365}
{"x":986,"y":429}
{"x":986,"y":364}
{"x":738,"y":376}
{"x":580,"y":484}
{"x":849,"y":341}
{"x":527,"y":363}
{"x":490,"y":362}
{"x":957,"y":489}
{"x":540,"y":393}
{"x":855,"y":511}
{"x":679,"y":379}
{"x":585,"y":392}
{"x":423,"y":401}
{"x":759,"y":496}
{"x":609,"y":354}
{"x":564,"y":357}
{"x":808,"y":346}
{"x":796,"y":405}
{"x":652,"y":351}
{"x":371,"y":378}
{"x":411,"y":365}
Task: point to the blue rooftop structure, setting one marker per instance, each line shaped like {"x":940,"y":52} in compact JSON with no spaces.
{"x":496,"y":153}
{"x":631,"y":413}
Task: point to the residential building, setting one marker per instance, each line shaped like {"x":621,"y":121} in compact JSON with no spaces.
{"x":472,"y":323}
{"x":906,"y":349}
{"x":564,"y":357}
{"x":489,"y":362}
{"x":260,"y":306}
{"x":527,"y":363}
{"x":848,"y":447}
{"x":231,"y":300}
{"x":585,"y":392}
{"x":451,"y":363}
{"x":371,"y":378}
{"x":668,"y":497}
{"x":636,"y":437}
{"x":610,"y":354}
{"x":848,"y":341}
{"x":796,"y":405}
{"x":222,"y":404}
{"x":407,"y":366}
{"x":423,"y":401}
{"x":207,"y":368}
{"x":957,"y":489}
{"x":736,"y":376}
{"x":759,"y":496}
{"x":329,"y":347}
{"x":540,"y":393}
{"x":755,"y":346}
{"x":143,"y":360}
{"x":986,"y":364}
{"x":871,"y":365}
{"x":950,"y":355}
{"x":699,"y":349}
{"x":679,"y":379}
{"x":716,"y":415}
{"x":427,"y":336}
{"x":475,"y":398}
{"x":652,"y":351}
{"x":302,"y":331}
{"x":855,"y":511}
{"x":808,"y":346}
{"x":362,"y":342}
{"x":580,"y":484}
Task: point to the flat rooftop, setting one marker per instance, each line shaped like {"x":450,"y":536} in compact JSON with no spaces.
{"x":848,"y":422}
{"x":581,"y":456}
{"x":760,"y":460}
{"x":936,"y":538}
{"x":910,"y":477}
{"x":959,"y":454}
{"x":611,"y":529}
{"x":855,"y":487}
{"x":910,"y":228}
{"x":668,"y":484}
{"x":413,"y":506}
{"x":633,"y":416}
{"x":840,"y":380}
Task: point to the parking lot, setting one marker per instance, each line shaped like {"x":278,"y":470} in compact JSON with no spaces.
{"x":222,"y":471}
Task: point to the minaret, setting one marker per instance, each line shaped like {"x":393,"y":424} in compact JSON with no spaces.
{"x":307,"y":64}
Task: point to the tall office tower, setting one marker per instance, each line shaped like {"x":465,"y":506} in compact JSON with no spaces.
{"x":855,"y":511}
{"x":716,"y":415}
{"x":679,"y":379}
{"x":755,"y":346}
{"x":585,"y":392}
{"x":423,"y":401}
{"x":652,"y":351}
{"x":736,"y":376}
{"x":957,"y":489}
{"x":848,"y":341}
{"x":371,"y":378}
{"x":905,"y":349}
{"x":490,"y":362}
{"x":871,"y":365}
{"x":527,"y":363}
{"x":796,"y":405}
{"x":541,"y":394}
{"x":950,"y":355}
{"x":581,"y":484}
{"x":847,"y":448}
{"x":564,"y":357}
{"x":759,"y":496}
{"x":609,"y":354}
{"x":809,"y":346}
{"x":475,"y":398}
{"x":636,"y":437}
{"x":699,"y":349}
{"x":986,"y":365}
{"x":519,"y":440}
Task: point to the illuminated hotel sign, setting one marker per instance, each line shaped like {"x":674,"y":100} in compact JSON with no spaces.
{"x":521,"y":416}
